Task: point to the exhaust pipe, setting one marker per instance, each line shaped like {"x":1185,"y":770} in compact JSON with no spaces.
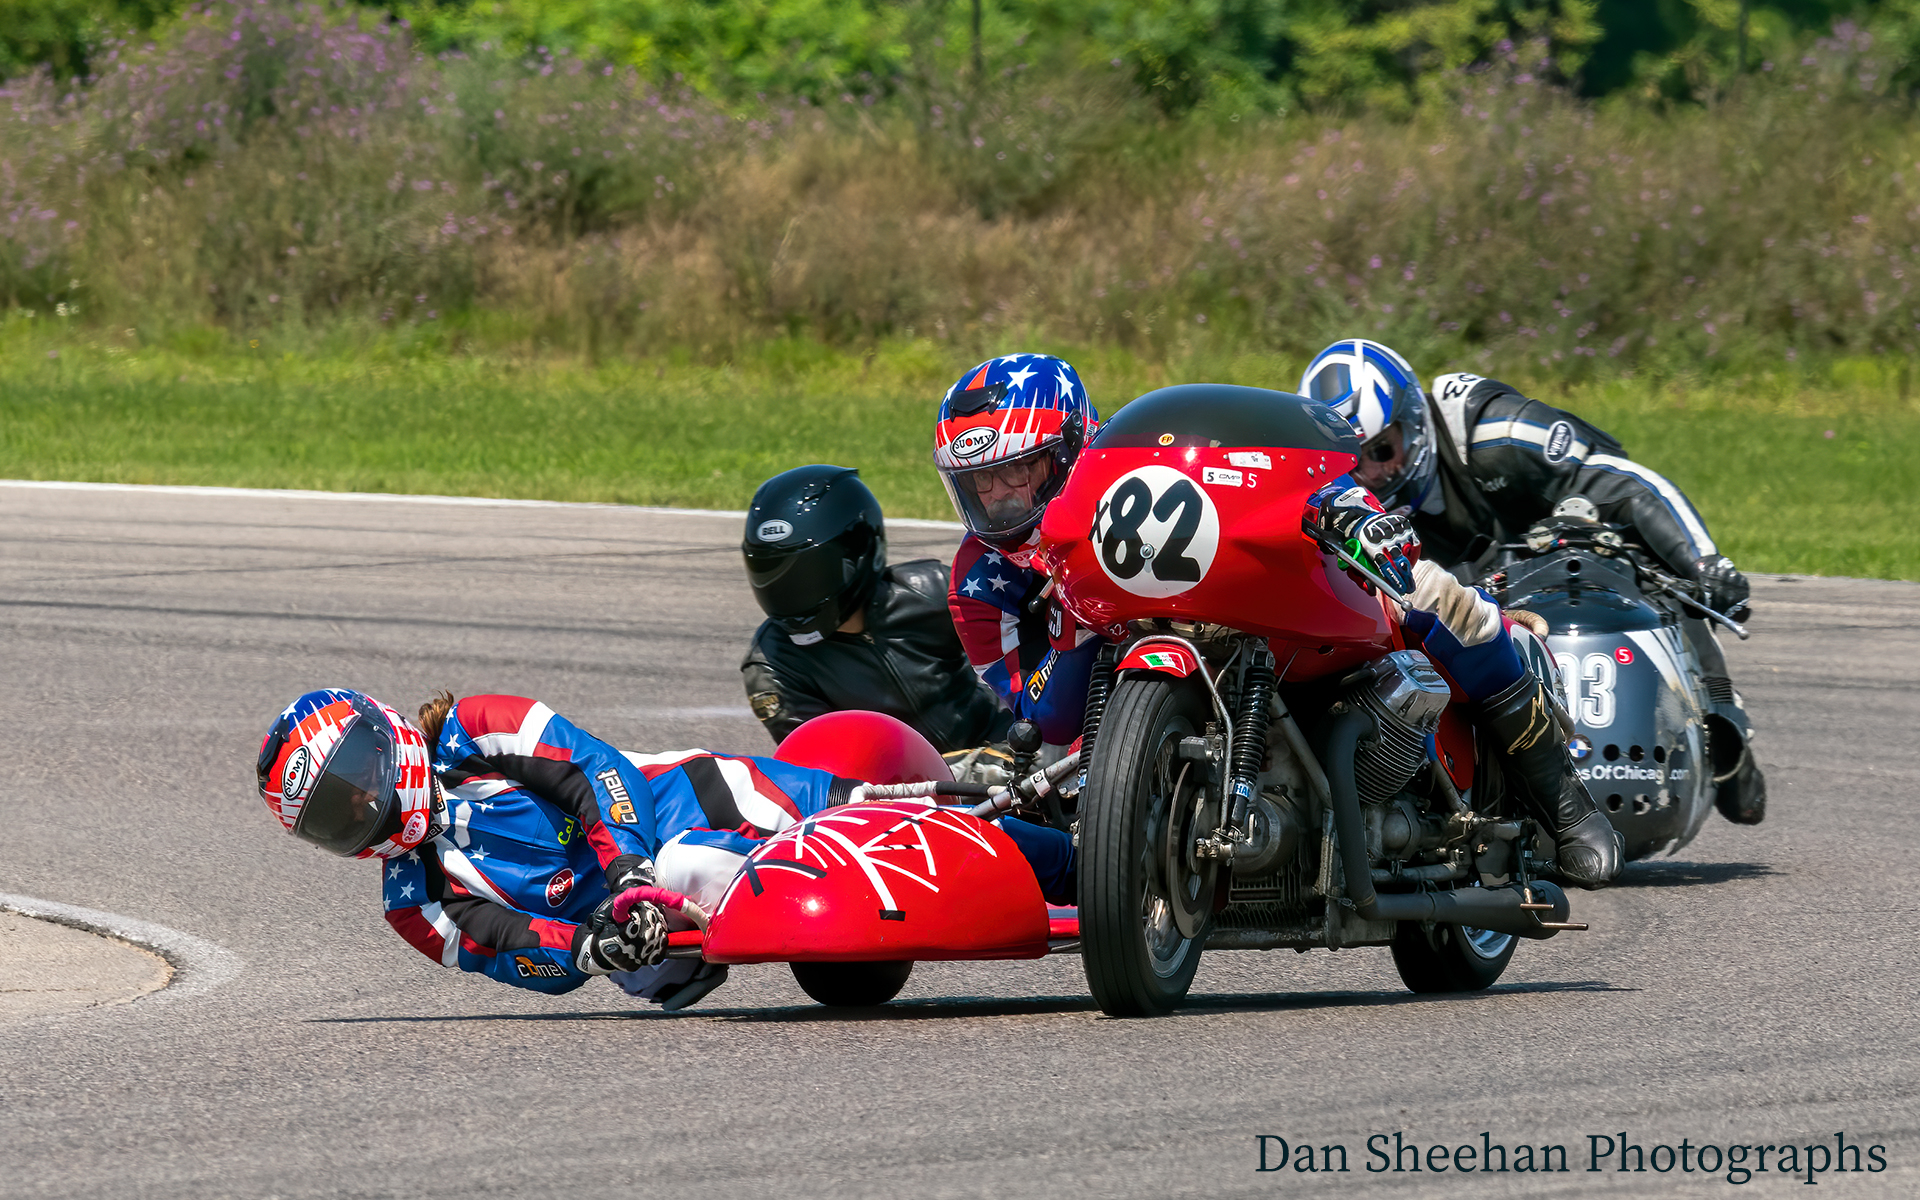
{"x":1509,"y":909}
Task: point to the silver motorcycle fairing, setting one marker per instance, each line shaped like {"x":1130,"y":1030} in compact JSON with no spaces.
{"x":1633,"y":688}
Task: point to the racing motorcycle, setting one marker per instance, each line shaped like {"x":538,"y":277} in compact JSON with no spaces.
{"x":1631,"y":682}
{"x":1267,"y":763}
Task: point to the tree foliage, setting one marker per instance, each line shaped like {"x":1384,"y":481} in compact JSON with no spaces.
{"x":1232,"y":55}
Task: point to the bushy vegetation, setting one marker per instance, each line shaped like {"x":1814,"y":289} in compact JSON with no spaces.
{"x":1234,"y":53}
{"x":266,"y":166}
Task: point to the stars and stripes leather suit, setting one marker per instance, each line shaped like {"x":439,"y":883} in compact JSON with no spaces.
{"x":539,"y":815}
{"x":1033,"y":655}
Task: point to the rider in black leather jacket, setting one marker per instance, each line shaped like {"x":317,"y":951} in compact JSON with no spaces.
{"x":1476,"y":463}
{"x":846,"y":631}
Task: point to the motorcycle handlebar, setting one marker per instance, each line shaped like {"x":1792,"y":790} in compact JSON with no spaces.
{"x":1718,"y":618}
{"x":1662,"y":582}
{"x":1027,"y":790}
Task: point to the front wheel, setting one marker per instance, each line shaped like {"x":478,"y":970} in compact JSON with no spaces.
{"x":1450,"y":958}
{"x":1140,"y":814}
{"x":851,"y":984}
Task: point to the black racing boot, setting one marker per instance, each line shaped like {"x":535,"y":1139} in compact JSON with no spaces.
{"x":1739,"y":789}
{"x":1520,"y":718}
{"x":708,"y":977}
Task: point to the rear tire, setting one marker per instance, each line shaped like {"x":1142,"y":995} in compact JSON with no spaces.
{"x":1450,"y":958}
{"x":1137,"y":961}
{"x":851,"y":984}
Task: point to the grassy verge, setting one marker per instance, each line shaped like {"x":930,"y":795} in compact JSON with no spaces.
{"x":1814,"y":473}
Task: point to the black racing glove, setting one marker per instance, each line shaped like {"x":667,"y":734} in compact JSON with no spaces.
{"x":1723,"y":588}
{"x":1383,"y":541}
{"x":628,"y":871}
{"x":991,"y":765}
{"x":609,"y":945}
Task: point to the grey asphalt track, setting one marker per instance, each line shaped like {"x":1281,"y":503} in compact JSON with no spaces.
{"x":1757,"y":990}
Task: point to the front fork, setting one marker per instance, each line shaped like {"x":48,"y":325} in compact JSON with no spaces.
{"x":1244,"y":740}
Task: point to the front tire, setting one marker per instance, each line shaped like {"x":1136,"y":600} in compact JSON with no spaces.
{"x":1450,"y":958}
{"x":1132,"y":870}
{"x":851,"y":984}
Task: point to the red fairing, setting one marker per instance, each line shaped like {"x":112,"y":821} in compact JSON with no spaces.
{"x":868,"y":746}
{"x":900,"y":880}
{"x":1210,"y":533}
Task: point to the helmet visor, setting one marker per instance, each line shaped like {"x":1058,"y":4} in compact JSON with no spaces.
{"x":354,"y":803}
{"x":1006,"y":496}
{"x":797,"y":588}
{"x":1395,"y":460}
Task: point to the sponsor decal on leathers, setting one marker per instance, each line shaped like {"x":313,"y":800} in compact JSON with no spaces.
{"x":621,"y":810}
{"x":1559,"y":441}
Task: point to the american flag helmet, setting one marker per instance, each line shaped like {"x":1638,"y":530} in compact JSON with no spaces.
{"x":1008,"y":433}
{"x":349,"y":774}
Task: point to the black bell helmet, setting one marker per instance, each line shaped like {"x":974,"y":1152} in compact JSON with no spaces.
{"x":815,"y":547}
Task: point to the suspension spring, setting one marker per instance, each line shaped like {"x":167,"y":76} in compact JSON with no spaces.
{"x":1099,"y":687}
{"x":1250,"y":732}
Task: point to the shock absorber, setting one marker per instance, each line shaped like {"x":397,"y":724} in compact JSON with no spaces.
{"x":1099,"y":687}
{"x":1250,"y":732}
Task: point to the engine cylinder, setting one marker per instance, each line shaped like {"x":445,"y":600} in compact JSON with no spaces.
{"x":1405,"y":695}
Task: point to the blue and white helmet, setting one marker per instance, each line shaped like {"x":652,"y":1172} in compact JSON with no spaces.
{"x":1375,"y":389}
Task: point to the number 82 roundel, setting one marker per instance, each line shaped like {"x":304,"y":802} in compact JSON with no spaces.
{"x":1156,"y":532}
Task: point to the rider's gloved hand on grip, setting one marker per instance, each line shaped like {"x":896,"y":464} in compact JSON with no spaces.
{"x":1383,"y":541}
{"x":1723,"y":588}
{"x":610,"y":946}
{"x":645,"y":929}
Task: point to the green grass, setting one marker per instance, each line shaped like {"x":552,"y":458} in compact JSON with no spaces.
{"x":1778,"y":493}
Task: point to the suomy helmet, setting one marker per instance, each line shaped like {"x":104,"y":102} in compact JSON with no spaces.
{"x":347,"y":773}
{"x":1375,"y":389}
{"x":1008,"y":433}
{"x":815,"y":546}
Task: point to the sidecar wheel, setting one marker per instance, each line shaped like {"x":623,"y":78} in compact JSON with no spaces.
{"x":851,"y":984}
{"x":1450,"y":958}
{"x":1132,"y":874}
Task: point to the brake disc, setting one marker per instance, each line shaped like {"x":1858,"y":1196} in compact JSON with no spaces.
{"x":1188,"y":880}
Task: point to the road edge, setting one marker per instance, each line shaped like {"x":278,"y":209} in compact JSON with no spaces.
{"x":403,"y":498}
{"x":199,"y":966}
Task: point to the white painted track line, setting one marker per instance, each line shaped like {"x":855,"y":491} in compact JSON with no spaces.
{"x":399,"y":498}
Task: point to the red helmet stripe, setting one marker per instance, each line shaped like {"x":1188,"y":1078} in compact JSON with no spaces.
{"x":979,"y":380}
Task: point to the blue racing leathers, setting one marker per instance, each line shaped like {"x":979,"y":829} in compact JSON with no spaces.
{"x":538,"y":816}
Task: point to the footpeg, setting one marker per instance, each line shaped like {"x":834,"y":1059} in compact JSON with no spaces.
{"x":1534,"y":908}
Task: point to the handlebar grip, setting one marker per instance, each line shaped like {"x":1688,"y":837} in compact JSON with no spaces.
{"x":647,"y":894}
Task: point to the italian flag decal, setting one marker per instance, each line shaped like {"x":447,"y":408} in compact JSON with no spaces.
{"x":1161,"y":658}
